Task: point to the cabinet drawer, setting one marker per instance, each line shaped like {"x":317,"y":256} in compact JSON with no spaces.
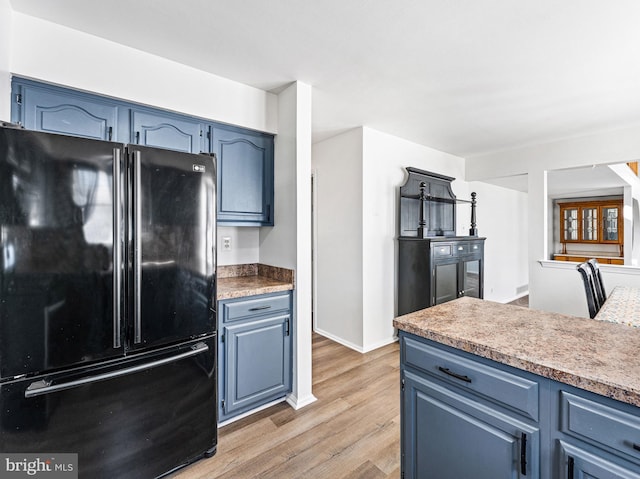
{"x":442,"y":250}
{"x":504,"y":388}
{"x":602,"y":425}
{"x":254,"y":306}
{"x":467,"y":248}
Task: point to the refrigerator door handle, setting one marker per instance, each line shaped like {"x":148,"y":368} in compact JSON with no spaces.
{"x":42,"y":387}
{"x":137,"y":249}
{"x":117,"y":247}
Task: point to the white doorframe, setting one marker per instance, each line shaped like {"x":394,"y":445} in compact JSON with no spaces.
{"x":314,"y":246}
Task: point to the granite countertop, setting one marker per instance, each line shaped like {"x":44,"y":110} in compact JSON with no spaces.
{"x":238,"y":281}
{"x":597,"y":356}
{"x":622,"y":306}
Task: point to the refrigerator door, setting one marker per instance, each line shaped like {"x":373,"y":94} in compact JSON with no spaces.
{"x":58,"y":201}
{"x":171,"y":246}
{"x":134,"y":418}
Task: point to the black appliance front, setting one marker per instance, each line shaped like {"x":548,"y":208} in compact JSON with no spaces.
{"x":171,"y":246}
{"x":56,"y":251}
{"x":141,"y":423}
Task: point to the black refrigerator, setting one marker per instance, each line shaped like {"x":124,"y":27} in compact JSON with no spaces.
{"x":107,"y":303}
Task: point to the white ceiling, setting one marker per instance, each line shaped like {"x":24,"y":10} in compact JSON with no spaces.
{"x":462,"y":76}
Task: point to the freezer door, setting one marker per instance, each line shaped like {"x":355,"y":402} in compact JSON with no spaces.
{"x":57,"y":255}
{"x":134,"y":418}
{"x":171,"y":246}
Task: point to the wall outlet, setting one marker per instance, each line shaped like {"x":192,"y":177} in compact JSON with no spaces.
{"x":226,"y":243}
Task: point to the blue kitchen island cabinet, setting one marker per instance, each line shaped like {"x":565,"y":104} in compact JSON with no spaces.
{"x":245,"y":176}
{"x":455,"y":427}
{"x":498,"y":391}
{"x":596,"y":437}
{"x":254,"y":355}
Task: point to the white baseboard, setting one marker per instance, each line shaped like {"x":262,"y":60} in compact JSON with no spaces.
{"x":253,"y":411}
{"x":297,"y":403}
{"x":380,"y":344}
{"x":356,"y":347}
{"x":338,"y":340}
{"x":505,"y":301}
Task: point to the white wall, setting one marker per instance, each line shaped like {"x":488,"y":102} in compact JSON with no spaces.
{"x":383,"y":172}
{"x":245,"y":243}
{"x":58,"y":54}
{"x":288,"y":244}
{"x":338,"y":165}
{"x":554,"y":287}
{"x":615,"y":146}
{"x":278,"y":244}
{"x":6,"y":24}
{"x":359,"y":174}
{"x":502,"y":217}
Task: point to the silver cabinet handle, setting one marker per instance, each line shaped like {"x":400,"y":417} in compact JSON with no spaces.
{"x":137,"y":249}
{"x":39,"y":388}
{"x":117,"y":248}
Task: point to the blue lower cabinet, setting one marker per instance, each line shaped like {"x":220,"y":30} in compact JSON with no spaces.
{"x":577,"y":463}
{"x":597,"y":438}
{"x":463,"y":416}
{"x":449,"y":435}
{"x":254,"y":362}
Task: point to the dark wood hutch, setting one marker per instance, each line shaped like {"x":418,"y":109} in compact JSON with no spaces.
{"x":435,"y":265}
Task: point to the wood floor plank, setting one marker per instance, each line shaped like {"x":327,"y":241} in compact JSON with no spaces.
{"x":352,"y":431}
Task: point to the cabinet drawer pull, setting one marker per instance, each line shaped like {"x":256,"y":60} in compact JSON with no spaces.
{"x":260,"y":308}
{"x":636,"y":446}
{"x":447,"y":371}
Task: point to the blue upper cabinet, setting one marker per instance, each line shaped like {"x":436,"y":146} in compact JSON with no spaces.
{"x":56,"y":110}
{"x":245,"y":157}
{"x":173,"y":132}
{"x":245,"y":176}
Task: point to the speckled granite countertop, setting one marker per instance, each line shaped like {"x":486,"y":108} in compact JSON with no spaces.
{"x":238,"y":281}
{"x":597,"y":356}
{"x":622,"y":306}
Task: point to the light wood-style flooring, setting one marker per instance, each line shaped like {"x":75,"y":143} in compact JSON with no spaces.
{"x":352,"y":431}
